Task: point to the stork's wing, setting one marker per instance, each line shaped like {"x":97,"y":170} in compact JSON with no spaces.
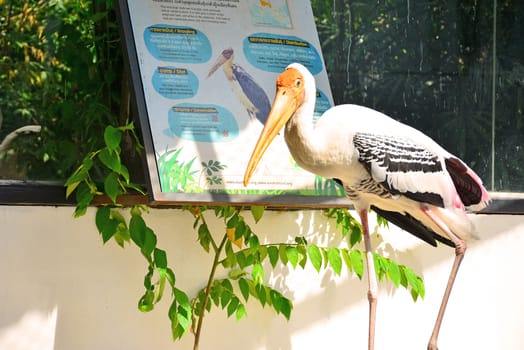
{"x":403,"y":167}
{"x":253,"y":92}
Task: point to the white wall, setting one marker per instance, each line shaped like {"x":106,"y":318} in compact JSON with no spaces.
{"x":60,"y":288}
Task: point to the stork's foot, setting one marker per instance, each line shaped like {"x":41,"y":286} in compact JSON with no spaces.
{"x":432,"y":346}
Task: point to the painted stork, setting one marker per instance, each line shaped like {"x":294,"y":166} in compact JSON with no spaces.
{"x":246,"y":89}
{"x":383,"y":165}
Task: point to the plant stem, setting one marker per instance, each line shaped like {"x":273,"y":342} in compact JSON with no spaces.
{"x":216,"y":262}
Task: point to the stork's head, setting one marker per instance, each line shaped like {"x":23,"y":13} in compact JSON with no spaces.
{"x":290,"y":95}
{"x":225,"y":56}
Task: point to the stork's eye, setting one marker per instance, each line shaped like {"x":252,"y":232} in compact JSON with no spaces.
{"x":298,"y":82}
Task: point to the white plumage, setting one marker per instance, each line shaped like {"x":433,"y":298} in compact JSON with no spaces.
{"x":385,"y":165}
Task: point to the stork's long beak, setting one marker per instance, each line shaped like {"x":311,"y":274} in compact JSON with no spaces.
{"x":284,"y":106}
{"x":219,"y":62}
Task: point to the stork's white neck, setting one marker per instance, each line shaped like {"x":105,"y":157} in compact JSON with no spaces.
{"x":306,"y":146}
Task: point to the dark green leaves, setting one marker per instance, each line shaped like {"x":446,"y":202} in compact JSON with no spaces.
{"x":347,"y":223}
{"x":112,"y":137}
{"x":106,"y":225}
{"x":246,"y":258}
{"x":111,"y":224}
{"x":107,"y":160}
{"x":179,"y":314}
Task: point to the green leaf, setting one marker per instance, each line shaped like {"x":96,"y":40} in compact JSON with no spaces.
{"x":112,"y":137}
{"x":214,"y":293}
{"x":261,"y":294}
{"x":357,"y":262}
{"x":258,"y":273}
{"x":184,"y":307}
{"x":84,"y":196}
{"x":125,"y":174}
{"x":102,"y":217}
{"x":280,"y":303}
{"x":81,"y":174}
{"x":242,"y":261}
{"x":204,"y":236}
{"x":416,"y":284}
{"x":71,"y":188}
{"x":109,"y":230}
{"x":122,"y":234}
{"x":335,"y":260}
{"x":262,"y":253}
{"x":236,"y":274}
{"x":315,"y":257}
{"x":233,"y":221}
{"x":382,"y":266}
{"x":300,"y":240}
{"x":302,"y":255}
{"x":240,"y":229}
{"x":146,"y":302}
{"x":253,"y":244}
{"x":170,"y":277}
{"x":244,"y":288}
{"x":225,"y":297}
{"x":137,"y":229}
{"x":112,"y":187}
{"x":292,"y":255}
{"x":257,"y":211}
{"x":345,"y":257}
{"x":226,"y":284}
{"x":160,"y":258}
{"x":241,"y":312}
{"x":110,"y":159}
{"x":160,"y":289}
{"x":356,"y":235}
{"x":149,"y":243}
{"x":394,"y":273}
{"x":233,"y":306}
{"x":179,"y":314}
{"x":282,"y":253}
{"x":272,"y":252}
{"x":118,"y":216}
{"x":231,"y":259}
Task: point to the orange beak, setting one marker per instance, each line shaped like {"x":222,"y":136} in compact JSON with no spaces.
{"x":284,"y":106}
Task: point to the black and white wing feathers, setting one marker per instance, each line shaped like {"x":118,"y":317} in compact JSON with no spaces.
{"x":402,"y":167}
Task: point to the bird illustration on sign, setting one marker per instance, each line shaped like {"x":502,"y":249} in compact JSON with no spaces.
{"x":248,"y":92}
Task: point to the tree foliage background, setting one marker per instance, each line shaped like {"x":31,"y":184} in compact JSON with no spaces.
{"x":427,"y":63}
{"x":60,"y":68}
{"x":430,"y":64}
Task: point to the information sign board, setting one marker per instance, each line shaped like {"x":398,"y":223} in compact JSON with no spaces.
{"x":204,"y":78}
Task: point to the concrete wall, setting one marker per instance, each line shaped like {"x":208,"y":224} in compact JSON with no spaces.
{"x":60,"y":288}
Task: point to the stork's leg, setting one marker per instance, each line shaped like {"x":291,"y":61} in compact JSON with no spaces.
{"x":460,"y":250}
{"x":372,"y":279}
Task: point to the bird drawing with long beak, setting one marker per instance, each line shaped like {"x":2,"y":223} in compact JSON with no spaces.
{"x":245,"y":88}
{"x":383,"y":165}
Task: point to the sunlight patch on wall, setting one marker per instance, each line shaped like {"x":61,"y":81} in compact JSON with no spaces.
{"x":34,"y":331}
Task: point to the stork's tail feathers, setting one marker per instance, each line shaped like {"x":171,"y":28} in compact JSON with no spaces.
{"x":468,"y":184}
